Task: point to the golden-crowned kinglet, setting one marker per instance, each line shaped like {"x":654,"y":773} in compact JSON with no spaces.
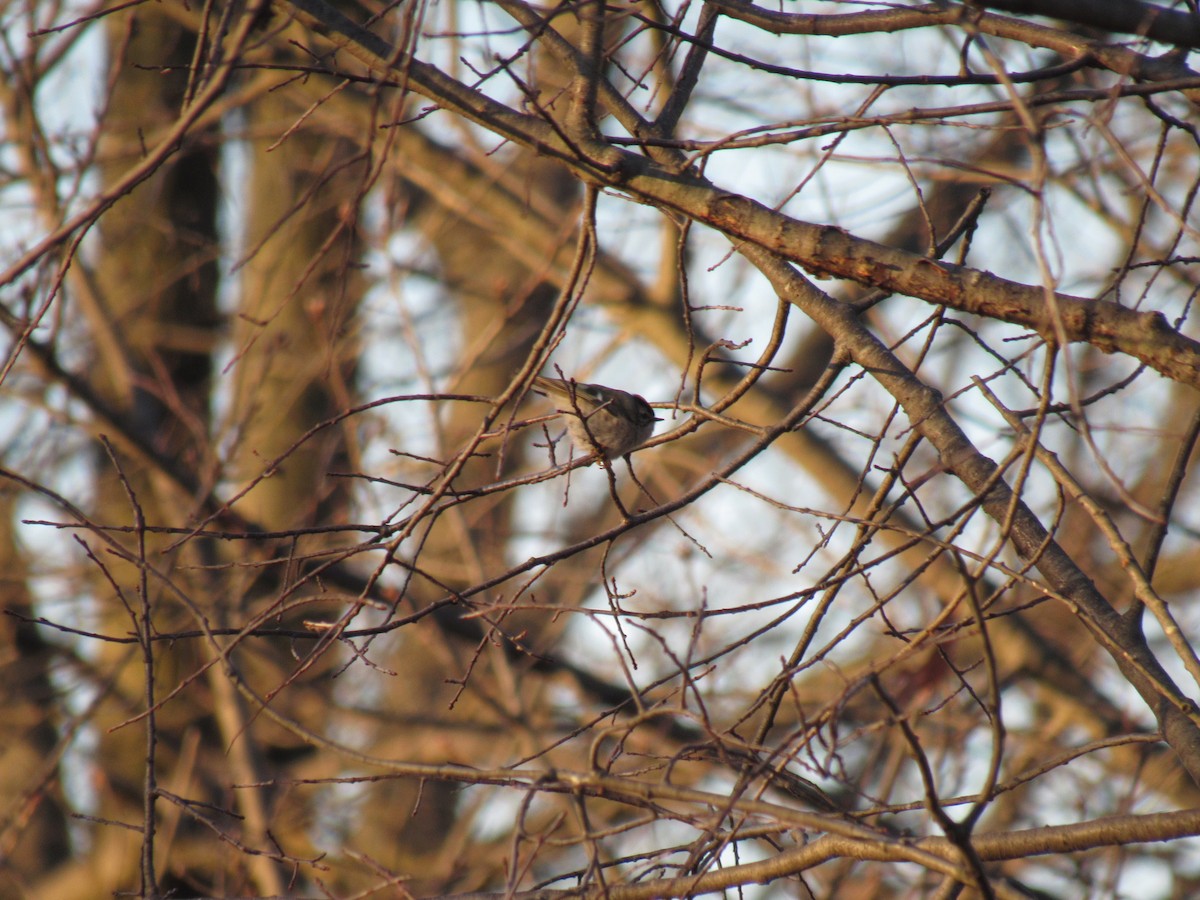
{"x":600,"y":419}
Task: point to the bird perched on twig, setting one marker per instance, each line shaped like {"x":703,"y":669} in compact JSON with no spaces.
{"x":600,"y":419}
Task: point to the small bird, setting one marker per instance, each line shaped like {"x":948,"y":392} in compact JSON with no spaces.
{"x":600,"y":419}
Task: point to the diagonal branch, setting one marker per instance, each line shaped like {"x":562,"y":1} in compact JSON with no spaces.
{"x":926,"y":410}
{"x":821,"y":249}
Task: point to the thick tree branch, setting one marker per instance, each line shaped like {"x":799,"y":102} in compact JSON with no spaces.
{"x":820,"y":249}
{"x":926,"y":410}
{"x":1168,"y":26}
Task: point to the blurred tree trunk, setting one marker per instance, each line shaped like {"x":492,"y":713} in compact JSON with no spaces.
{"x":33,"y":827}
{"x":294,"y":362}
{"x":502,"y":305}
{"x":156,"y":280}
